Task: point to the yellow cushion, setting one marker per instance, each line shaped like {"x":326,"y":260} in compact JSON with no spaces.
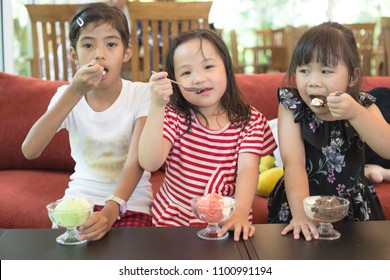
{"x":266,"y":162}
{"x":268,"y":180}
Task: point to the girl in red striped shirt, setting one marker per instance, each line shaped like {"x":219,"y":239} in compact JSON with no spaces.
{"x":210,"y":139}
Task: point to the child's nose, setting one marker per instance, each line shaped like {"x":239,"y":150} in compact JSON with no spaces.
{"x":100,"y":53}
{"x":314,"y":80}
{"x":198,"y":77}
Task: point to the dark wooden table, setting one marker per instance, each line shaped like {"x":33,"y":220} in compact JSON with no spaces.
{"x":358,"y":241}
{"x":170,"y":243}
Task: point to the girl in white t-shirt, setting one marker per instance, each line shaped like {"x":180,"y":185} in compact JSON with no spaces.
{"x":104,"y":116}
{"x":211,"y":139}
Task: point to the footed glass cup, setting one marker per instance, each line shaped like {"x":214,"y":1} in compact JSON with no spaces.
{"x":212,"y":215}
{"x":326,"y":210}
{"x":70,"y":218}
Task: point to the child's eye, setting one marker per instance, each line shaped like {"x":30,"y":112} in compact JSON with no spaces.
{"x":111,"y":45}
{"x":185,"y":73}
{"x":87,"y":46}
{"x":209,"y":66}
{"x":327,"y":71}
{"x":302,"y":70}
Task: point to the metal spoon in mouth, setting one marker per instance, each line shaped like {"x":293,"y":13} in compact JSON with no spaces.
{"x":192,"y":89}
{"x":319,"y":103}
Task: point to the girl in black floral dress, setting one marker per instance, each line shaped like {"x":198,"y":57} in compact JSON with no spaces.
{"x":322,"y":148}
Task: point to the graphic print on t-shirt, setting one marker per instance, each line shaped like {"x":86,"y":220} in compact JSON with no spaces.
{"x":106,"y":157}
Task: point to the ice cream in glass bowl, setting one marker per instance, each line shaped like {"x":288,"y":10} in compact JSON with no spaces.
{"x":326,"y":210}
{"x":212,"y":209}
{"x":70,"y":214}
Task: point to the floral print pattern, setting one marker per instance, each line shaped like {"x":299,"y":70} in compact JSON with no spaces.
{"x":334,"y":163}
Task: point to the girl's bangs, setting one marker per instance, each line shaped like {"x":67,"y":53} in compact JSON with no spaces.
{"x":323,"y":50}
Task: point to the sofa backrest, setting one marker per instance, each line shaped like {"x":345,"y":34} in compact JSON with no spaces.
{"x":22,"y":101}
{"x":260,"y":90}
{"x":375,"y":81}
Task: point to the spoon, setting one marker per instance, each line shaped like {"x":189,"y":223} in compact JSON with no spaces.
{"x":319,"y":103}
{"x":193,"y":89}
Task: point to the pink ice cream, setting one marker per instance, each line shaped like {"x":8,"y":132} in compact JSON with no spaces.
{"x":210,"y":207}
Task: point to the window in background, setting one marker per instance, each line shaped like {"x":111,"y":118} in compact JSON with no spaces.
{"x":22,"y":42}
{"x":6,"y":62}
{"x":242,"y":15}
{"x":260,"y":14}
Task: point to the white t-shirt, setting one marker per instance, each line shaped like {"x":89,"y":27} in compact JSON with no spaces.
{"x":100,"y":142}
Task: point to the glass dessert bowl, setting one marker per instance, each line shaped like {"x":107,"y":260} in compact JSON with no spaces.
{"x":212,"y":209}
{"x":326,"y":210}
{"x":70,"y":214}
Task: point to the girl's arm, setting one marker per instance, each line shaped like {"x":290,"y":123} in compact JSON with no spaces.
{"x":41,"y":133}
{"x":101,"y":222}
{"x":295,"y":177}
{"x":246,"y":184}
{"x":46,"y":127}
{"x":368,"y":122}
{"x":153,"y":147}
{"x":373,"y":129}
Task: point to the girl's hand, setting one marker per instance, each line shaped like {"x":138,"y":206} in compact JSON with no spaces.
{"x":161,"y":88}
{"x":98,"y":224}
{"x":87,"y":77}
{"x":301,"y":225}
{"x":240,"y":224}
{"x":342,"y":106}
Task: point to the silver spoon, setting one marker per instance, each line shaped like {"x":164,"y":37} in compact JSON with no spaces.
{"x":193,"y":89}
{"x":319,"y":103}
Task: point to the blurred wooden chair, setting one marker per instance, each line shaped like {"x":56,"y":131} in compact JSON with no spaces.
{"x":50,"y":29}
{"x":364,"y":36}
{"x":385,"y":33}
{"x":159,"y":21}
{"x":378,"y":54}
{"x":270,"y":53}
{"x":291,"y":37}
{"x":238,"y":63}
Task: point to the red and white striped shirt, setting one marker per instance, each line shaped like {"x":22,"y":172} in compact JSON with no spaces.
{"x":204,"y":161}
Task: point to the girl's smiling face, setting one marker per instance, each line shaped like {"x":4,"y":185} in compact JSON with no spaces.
{"x":102,"y":43}
{"x":197,"y":63}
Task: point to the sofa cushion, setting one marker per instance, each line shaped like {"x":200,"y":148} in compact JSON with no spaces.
{"x":259,"y":90}
{"x":24,"y":195}
{"x":22,"y":101}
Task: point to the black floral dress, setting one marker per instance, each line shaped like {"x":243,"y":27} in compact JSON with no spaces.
{"x":334,"y":163}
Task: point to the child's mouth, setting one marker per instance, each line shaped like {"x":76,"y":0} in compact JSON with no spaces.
{"x":203,"y":90}
{"x":318,"y":100}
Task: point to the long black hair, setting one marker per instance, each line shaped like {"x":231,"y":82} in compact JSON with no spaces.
{"x":232,"y":101}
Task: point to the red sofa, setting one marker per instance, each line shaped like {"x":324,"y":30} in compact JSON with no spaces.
{"x":27,"y":186}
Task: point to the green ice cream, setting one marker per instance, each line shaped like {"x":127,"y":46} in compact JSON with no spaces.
{"x":72,"y":213}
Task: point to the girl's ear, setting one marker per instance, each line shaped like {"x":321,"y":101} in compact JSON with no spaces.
{"x":128,"y":53}
{"x":355,"y":77}
{"x":73,"y":55}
